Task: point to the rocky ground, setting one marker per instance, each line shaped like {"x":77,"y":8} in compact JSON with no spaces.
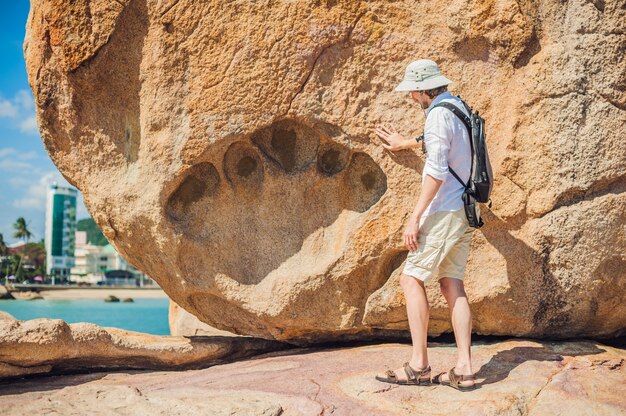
{"x":516,"y":376}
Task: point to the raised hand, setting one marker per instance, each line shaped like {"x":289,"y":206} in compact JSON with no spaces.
{"x":392,"y":139}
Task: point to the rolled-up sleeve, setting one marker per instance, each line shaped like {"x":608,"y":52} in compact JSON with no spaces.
{"x":437,"y":143}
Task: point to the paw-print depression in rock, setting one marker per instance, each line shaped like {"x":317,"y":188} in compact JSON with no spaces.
{"x":254,"y":208}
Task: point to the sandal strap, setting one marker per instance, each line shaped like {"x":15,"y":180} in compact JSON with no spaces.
{"x":391,"y":374}
{"x":456,"y":378}
{"x":452,"y":377}
{"x":421,"y":371}
{"x":410,"y":375}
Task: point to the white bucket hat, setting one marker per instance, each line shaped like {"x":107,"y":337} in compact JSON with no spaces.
{"x":420,"y":75}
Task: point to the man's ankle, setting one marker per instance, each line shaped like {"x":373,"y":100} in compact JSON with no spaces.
{"x":463,"y":368}
{"x":419,"y":365}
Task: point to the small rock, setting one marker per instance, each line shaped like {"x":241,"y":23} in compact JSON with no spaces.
{"x":128,"y":300}
{"x":4,"y":293}
{"x":26,"y":295}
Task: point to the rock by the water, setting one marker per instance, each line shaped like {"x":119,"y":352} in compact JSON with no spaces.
{"x":128,"y":300}
{"x":111,"y":298}
{"x":515,"y":377}
{"x":4,"y":293}
{"x":49,"y":346}
{"x":26,"y":295}
{"x":227,"y":150}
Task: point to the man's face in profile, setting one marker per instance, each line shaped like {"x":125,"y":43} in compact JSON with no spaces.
{"x":418,"y":96}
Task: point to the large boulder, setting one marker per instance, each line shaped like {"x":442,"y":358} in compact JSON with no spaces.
{"x":227,"y":150}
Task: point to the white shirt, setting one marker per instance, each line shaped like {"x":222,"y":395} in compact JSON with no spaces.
{"x":447,"y":143}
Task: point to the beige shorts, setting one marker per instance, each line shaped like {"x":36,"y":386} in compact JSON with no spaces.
{"x":444,"y":243}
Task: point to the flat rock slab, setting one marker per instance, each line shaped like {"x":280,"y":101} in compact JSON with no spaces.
{"x":516,"y":376}
{"x":52,"y":346}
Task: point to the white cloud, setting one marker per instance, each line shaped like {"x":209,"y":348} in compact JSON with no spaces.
{"x":28,"y":155}
{"x":25,"y":100}
{"x":29,"y":125}
{"x":24,"y":195}
{"x":16,"y":166}
{"x":35,"y":194}
{"x":34,"y":197}
{"x":7,"y":109}
{"x":15,"y":161}
{"x":18,"y":182}
{"x":21,"y":111}
{"x":13,"y":152}
{"x":7,"y":151}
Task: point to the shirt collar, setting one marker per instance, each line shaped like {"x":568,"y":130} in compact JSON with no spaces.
{"x":438,"y":99}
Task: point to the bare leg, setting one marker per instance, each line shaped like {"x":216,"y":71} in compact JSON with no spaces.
{"x":418,"y":312}
{"x":454,"y":292}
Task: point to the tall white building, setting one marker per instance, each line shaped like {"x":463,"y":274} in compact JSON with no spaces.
{"x":103,"y":264}
{"x":87,"y":267}
{"x":60,"y":228}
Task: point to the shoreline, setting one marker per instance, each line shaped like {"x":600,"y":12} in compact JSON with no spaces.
{"x":103,"y":292}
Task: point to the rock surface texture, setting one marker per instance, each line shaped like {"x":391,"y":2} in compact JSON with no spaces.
{"x":227,"y":150}
{"x":182,"y":323}
{"x":515,"y":377}
{"x":49,"y":346}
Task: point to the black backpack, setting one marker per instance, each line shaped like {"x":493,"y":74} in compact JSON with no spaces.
{"x":478,"y":187}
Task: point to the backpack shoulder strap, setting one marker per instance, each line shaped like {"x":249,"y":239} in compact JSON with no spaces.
{"x":465,"y":119}
{"x":466,"y":185}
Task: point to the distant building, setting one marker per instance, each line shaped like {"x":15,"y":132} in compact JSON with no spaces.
{"x":104,"y":264}
{"x":87,"y":267}
{"x":60,"y":228}
{"x":16,"y":247}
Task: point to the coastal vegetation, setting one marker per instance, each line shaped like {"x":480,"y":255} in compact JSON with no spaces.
{"x":26,"y":261}
{"x":94,"y":235}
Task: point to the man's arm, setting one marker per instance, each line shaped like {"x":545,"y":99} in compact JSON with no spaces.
{"x":429,"y":190}
{"x":436,"y":169}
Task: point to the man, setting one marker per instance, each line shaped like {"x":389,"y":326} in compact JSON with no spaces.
{"x":438,"y":233}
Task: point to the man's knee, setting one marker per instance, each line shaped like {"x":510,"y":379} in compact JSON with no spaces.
{"x":407,"y":281}
{"x":451,"y":286}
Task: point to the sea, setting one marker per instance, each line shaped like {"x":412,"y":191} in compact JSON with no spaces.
{"x":142,"y":315}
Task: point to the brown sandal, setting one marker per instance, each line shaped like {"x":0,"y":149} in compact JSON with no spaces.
{"x":411,"y":375}
{"x":455,"y":379}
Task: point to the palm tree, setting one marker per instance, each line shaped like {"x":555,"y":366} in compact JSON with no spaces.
{"x":22,"y":232}
{"x":3,"y":246}
{"x":3,"y":252}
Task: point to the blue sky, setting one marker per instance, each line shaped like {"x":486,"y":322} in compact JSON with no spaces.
{"x":25,"y":167}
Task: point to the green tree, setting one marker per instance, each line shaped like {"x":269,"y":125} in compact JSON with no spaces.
{"x":34,"y":256}
{"x":3,"y":246}
{"x":3,"y":252}
{"x":94,"y":235}
{"x":23,"y":233}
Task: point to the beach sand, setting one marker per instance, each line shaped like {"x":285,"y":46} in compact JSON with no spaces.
{"x":101,"y":293}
